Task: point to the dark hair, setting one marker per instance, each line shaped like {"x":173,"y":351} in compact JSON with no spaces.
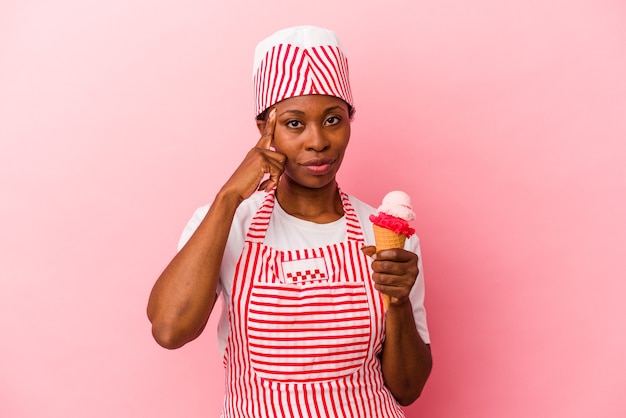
{"x":263,"y":114}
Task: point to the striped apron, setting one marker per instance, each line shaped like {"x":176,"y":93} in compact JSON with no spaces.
{"x":306,"y":327}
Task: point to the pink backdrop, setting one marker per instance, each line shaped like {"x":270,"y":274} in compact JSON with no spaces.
{"x":505,"y":120}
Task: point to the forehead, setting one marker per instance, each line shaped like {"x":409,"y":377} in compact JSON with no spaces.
{"x":311,"y":103}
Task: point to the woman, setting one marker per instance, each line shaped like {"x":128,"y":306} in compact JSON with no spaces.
{"x":303,"y":329}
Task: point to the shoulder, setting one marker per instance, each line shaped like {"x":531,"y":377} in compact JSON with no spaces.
{"x":243,"y":217}
{"x":361,"y":207}
{"x":248,"y":208}
{"x":363,"y":211}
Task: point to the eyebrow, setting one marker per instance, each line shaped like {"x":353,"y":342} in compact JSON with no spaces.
{"x":300,"y":112}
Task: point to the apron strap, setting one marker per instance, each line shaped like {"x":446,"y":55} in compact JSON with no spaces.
{"x":354,"y":231}
{"x":260,"y":222}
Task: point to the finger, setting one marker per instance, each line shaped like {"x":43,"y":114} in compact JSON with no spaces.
{"x":268,"y":133}
{"x":277,"y":157}
{"x":274,"y":168}
{"x":407,"y":270}
{"x":395,"y":294}
{"x":395,"y":290}
{"x":395,"y":254}
{"x":369,"y":251}
{"x":269,"y":183}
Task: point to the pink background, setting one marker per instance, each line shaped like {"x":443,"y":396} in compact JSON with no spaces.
{"x":505,"y":120}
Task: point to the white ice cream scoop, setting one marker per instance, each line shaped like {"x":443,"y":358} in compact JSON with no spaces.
{"x":397,"y":203}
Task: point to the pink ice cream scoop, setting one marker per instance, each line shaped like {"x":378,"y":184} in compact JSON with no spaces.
{"x":394,"y":214}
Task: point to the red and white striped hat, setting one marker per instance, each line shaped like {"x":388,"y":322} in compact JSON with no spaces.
{"x":300,"y":61}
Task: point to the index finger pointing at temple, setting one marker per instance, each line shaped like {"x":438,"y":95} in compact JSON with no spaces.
{"x":268,"y":133}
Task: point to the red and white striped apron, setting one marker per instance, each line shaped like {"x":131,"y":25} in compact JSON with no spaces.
{"x":305,"y":330}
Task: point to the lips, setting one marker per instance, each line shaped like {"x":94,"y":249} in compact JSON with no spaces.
{"x":318,"y":166}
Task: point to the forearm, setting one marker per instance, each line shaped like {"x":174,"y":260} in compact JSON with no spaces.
{"x":184,"y":295}
{"x":406,"y":359}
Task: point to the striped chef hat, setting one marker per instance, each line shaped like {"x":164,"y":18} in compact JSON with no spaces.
{"x":299,"y":61}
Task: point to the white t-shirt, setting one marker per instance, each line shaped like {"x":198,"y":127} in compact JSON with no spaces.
{"x":286,"y":232}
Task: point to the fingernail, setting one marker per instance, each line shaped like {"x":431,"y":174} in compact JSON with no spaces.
{"x":272,"y":113}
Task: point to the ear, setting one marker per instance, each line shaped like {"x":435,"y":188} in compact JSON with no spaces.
{"x":260,"y":125}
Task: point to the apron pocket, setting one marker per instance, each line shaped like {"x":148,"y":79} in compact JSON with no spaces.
{"x":308,"y":333}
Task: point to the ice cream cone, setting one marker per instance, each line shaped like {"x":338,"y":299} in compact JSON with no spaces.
{"x":387,"y":239}
{"x":391,"y":224}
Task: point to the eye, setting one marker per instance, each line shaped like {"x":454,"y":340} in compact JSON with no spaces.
{"x":294,"y":124}
{"x":333,"y":120}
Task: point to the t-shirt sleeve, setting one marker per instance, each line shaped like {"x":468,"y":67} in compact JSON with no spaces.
{"x":192,"y":225}
{"x":417,"y":292}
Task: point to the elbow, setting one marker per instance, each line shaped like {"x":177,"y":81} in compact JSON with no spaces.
{"x":174,"y":334}
{"x":412,"y":389}
{"x":168,"y":334}
{"x":408,"y":398}
{"x":166,"y":337}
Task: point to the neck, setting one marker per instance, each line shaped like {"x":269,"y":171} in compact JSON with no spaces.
{"x":321,"y":205}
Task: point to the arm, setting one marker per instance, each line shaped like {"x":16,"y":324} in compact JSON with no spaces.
{"x":184,"y":295}
{"x":406,"y":359}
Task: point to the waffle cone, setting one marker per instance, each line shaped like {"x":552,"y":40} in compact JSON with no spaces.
{"x":387,"y":239}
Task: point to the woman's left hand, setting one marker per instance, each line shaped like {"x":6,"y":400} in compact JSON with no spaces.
{"x":395,"y":271}
{"x":406,"y":360}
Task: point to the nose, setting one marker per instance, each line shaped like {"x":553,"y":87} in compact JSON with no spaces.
{"x":316,"y":139}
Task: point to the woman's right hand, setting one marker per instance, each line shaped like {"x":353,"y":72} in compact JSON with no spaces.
{"x":259,"y":161}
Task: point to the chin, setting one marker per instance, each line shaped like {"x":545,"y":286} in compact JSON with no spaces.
{"x":312,"y":183}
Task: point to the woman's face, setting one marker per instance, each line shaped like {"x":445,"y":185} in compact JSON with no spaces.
{"x":313,"y":132}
